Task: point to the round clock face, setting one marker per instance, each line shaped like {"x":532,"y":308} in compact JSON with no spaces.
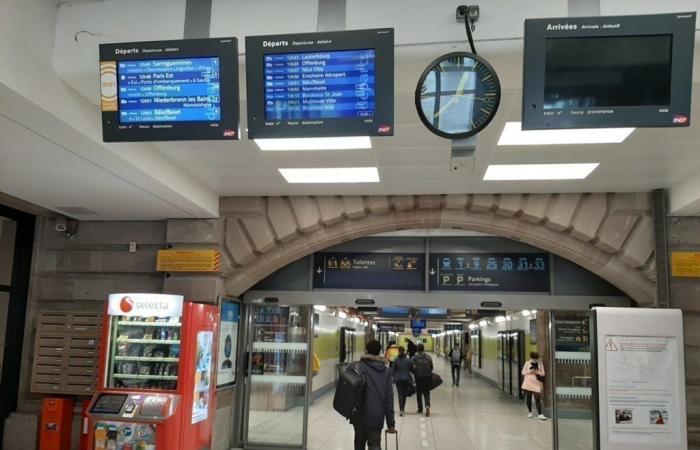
{"x":458,"y":95}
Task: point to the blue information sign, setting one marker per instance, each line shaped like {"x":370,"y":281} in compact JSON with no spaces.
{"x":169,"y":90}
{"x":320,"y":85}
{"x":505,"y":272}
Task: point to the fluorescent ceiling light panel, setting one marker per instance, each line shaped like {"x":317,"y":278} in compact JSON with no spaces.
{"x":511,"y":172}
{"x":513,"y":134}
{"x":332,"y":175}
{"x":324,"y":143}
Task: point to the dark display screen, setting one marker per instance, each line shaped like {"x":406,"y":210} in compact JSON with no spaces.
{"x":109,"y":403}
{"x":320,"y":85}
{"x":169,"y":90}
{"x":607,"y":71}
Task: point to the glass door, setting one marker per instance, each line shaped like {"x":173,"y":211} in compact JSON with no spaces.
{"x":278,"y":367}
{"x":573,"y":377}
{"x":517,"y":360}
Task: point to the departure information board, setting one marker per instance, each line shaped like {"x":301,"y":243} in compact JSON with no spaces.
{"x":331,"y":84}
{"x":506,"y":272}
{"x":169,"y":90}
{"x":326,"y":85}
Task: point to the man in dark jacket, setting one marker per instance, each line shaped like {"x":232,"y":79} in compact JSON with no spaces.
{"x":411,"y":347}
{"x":423,"y":368}
{"x":379,"y":400}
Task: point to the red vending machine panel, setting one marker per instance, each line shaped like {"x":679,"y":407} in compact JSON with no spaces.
{"x":157,"y":376}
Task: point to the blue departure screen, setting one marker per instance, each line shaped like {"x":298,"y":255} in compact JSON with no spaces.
{"x":169,"y":90}
{"x":320,"y":85}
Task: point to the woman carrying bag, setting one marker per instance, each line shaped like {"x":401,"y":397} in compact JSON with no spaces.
{"x":402,"y":368}
{"x":533,"y":371}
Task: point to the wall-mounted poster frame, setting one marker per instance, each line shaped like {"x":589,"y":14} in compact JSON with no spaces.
{"x":229,"y":338}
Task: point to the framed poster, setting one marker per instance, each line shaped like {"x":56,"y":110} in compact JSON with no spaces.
{"x":202,"y":376}
{"x":641,"y":379}
{"x":226,"y":363}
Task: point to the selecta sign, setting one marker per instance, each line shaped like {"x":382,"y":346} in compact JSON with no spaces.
{"x":145,"y":305}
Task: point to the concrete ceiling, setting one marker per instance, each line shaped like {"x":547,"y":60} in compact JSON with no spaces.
{"x":412,"y":162}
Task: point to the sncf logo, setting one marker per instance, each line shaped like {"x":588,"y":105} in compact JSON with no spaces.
{"x":384,"y":129}
{"x":680,"y":120}
{"x":229,"y":133}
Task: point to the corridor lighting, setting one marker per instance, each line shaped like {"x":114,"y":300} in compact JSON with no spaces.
{"x":513,"y":134}
{"x":512,"y":172}
{"x":473,"y":326}
{"x":332,"y":175}
{"x":323,"y":143}
{"x":526,"y":313}
{"x":365,"y":323}
{"x":320,"y":308}
{"x":483,"y":323}
{"x":342,"y":315}
{"x":509,"y":318}
{"x":374,"y":327}
{"x":500,"y":319}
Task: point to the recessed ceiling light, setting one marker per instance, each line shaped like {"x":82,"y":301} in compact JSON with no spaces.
{"x":513,"y":134}
{"x":332,"y":175}
{"x":325,"y":143}
{"x":502,"y":172}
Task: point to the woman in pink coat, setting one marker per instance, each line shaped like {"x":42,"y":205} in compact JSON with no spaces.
{"x":532,"y":385}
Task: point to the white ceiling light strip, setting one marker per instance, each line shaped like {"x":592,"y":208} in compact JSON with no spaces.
{"x":538,"y":172}
{"x":513,"y":134}
{"x":324,"y":143}
{"x":331,"y":175}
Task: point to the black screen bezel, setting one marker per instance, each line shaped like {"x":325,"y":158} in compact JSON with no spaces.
{"x":381,"y":40}
{"x":680,"y":26}
{"x":96,"y":410}
{"x":226,"y":49}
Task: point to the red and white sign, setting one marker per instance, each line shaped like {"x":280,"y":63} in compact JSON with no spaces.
{"x":145,"y":305}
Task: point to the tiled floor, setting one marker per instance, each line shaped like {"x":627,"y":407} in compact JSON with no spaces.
{"x":474,"y":416}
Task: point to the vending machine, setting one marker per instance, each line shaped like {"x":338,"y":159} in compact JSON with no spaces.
{"x":156,"y":385}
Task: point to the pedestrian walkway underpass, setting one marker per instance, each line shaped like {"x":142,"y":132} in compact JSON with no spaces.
{"x":473,"y":416}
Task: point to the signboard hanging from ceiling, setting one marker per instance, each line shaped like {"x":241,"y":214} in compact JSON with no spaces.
{"x":497,"y":272}
{"x":395,"y":271}
{"x":321,"y":84}
{"x":170,"y":90}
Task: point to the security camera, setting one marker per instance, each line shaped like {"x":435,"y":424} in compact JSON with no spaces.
{"x":66,"y":227}
{"x":60,"y":227}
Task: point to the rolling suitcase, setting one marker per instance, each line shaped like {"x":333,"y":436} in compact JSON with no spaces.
{"x":386,"y":440}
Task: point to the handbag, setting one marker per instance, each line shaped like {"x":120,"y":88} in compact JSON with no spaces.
{"x":540,"y":378}
{"x":436,"y":381}
{"x":411,"y":389}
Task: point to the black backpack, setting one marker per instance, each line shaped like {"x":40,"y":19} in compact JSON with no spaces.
{"x":350,"y":392}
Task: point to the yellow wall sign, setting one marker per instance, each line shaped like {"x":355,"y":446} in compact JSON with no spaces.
{"x":188,"y":261}
{"x":685,"y":264}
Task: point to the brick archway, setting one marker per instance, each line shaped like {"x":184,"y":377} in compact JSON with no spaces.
{"x":611,"y":235}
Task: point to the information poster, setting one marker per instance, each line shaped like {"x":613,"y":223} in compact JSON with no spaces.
{"x":572,"y":333}
{"x":202,"y":376}
{"x":228,"y":343}
{"x":642,"y":390}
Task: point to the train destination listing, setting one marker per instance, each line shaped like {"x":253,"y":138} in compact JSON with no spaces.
{"x":320,"y":85}
{"x":169,"y":90}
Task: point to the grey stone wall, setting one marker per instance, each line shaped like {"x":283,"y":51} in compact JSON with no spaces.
{"x":684,"y":235}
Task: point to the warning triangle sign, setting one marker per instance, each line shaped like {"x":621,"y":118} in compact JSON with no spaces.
{"x":610,"y":346}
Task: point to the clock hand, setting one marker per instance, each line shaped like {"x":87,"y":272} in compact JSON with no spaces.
{"x":460,"y":91}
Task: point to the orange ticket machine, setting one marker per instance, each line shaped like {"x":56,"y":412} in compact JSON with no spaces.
{"x":157,"y":381}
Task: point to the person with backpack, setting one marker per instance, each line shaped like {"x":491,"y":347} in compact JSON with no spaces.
{"x":533,"y":371}
{"x":423,"y":369}
{"x":378,"y":402}
{"x":401,"y":371}
{"x":456,"y":358}
{"x":411,"y":347}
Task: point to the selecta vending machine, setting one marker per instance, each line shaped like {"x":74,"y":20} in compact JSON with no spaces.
{"x":156,"y":382}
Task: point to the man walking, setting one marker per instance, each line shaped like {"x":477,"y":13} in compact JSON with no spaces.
{"x":423,"y":367}
{"x":456,"y":362}
{"x":378,"y":404}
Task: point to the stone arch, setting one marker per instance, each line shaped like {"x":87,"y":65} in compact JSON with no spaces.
{"x":611,"y":235}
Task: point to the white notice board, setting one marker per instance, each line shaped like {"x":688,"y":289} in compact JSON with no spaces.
{"x":641,"y":379}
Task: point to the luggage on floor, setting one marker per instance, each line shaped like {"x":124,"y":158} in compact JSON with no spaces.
{"x":437,"y":381}
{"x":411,"y":389}
{"x":350,"y":391}
{"x":386,"y":440}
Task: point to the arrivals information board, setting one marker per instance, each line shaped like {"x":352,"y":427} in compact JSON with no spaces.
{"x":391,"y":271}
{"x":498,"y":272}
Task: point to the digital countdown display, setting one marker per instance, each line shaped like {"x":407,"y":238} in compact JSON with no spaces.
{"x":170,"y":90}
{"x":321,"y":84}
{"x":327,"y":85}
{"x":505,"y":272}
